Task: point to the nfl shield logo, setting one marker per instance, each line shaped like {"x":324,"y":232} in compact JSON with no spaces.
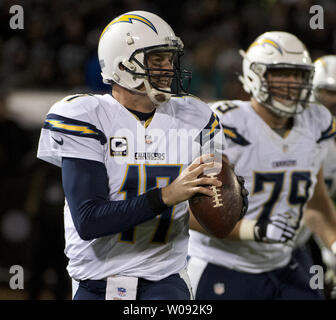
{"x":148,"y":139}
{"x":122,"y":292}
{"x":219,"y":288}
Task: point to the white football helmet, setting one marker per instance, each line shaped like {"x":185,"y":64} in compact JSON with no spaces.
{"x":277,"y":50}
{"x":123,"y":48}
{"x":325,"y":81}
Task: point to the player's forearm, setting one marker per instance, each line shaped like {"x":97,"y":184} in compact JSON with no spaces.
{"x":85,"y":186}
{"x":95,"y":219}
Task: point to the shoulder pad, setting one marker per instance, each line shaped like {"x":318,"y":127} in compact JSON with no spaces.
{"x":322,"y":120}
{"x":223,"y":106}
{"x":190,"y":106}
{"x":231,"y":121}
{"x":75,"y":105}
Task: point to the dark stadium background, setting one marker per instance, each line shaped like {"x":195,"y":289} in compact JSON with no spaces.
{"x":55,"y":55}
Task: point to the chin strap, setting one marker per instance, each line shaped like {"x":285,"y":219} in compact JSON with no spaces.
{"x":277,"y":107}
{"x":156,"y":96}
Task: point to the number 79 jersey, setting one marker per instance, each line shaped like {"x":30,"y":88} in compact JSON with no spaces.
{"x":280,"y":175}
{"x":137,"y":158}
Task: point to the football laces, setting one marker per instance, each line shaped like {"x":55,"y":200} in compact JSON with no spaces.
{"x":217,"y":198}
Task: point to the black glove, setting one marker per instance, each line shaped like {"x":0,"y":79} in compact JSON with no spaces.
{"x":244,"y":194}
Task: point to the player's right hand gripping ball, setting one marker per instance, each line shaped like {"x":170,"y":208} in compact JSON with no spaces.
{"x":218,"y":215}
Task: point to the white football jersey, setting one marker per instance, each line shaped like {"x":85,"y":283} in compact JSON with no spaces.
{"x":280,"y":175}
{"x":137,"y":157}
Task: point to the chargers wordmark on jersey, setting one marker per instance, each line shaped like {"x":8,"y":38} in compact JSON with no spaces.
{"x":284,"y":163}
{"x":149,"y":156}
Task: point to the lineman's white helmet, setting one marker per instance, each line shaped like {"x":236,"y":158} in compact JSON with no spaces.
{"x":277,"y":50}
{"x":122,"y":50}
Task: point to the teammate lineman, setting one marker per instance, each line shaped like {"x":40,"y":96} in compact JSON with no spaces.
{"x":277,"y":143}
{"x":125,"y":182}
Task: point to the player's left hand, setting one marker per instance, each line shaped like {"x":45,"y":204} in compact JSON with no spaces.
{"x":275,"y":230}
{"x":188,"y":183}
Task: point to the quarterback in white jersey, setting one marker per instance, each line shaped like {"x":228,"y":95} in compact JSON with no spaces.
{"x":277,"y":143}
{"x":98,"y":128}
{"x":129,"y":162}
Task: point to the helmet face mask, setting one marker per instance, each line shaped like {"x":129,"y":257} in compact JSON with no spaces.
{"x":288,"y":85}
{"x":125,"y":47}
{"x":278,"y":73}
{"x":153,"y":74}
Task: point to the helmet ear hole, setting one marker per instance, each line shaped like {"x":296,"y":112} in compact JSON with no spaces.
{"x":121,"y":67}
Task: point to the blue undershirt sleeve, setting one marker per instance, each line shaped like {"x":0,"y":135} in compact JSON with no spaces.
{"x":85,"y":185}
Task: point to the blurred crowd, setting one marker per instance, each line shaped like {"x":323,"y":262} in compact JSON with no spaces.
{"x":57,"y":50}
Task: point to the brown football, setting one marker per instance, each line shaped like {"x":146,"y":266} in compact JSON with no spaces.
{"x":218,"y":215}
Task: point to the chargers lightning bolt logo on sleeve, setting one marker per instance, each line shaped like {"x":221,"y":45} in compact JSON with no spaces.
{"x":69,"y":126}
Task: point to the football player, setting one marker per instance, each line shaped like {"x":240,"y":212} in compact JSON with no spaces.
{"x":125,"y":181}
{"x":277,"y":142}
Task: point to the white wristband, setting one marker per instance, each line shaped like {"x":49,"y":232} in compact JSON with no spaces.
{"x":333,"y":248}
{"x":246,"y":230}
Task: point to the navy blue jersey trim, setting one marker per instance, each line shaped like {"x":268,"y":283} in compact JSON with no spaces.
{"x":210,"y":130}
{"x":232,"y":134}
{"x":330,"y":132}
